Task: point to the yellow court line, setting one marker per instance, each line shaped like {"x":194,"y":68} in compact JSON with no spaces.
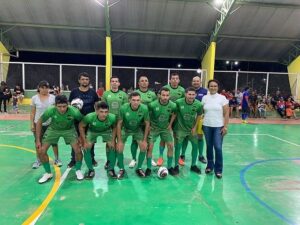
{"x":49,"y":197}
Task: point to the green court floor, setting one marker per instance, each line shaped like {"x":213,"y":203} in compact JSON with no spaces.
{"x":260,"y":186}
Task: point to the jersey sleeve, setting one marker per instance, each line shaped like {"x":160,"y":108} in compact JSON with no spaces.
{"x":71,"y":97}
{"x":104,"y":97}
{"x":96,"y":97}
{"x":33,"y":101}
{"x":86,"y":120}
{"x":224,"y":101}
{"x":121,"y":113}
{"x":77,"y":115}
{"x":47,"y":114}
{"x":113,"y":120}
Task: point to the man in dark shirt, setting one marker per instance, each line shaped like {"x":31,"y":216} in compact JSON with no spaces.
{"x":89,"y":98}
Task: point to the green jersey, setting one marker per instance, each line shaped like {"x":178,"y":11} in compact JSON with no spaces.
{"x":175,"y":93}
{"x":96,"y":125}
{"x":62,"y":121}
{"x":147,"y":97}
{"x":187,"y":114}
{"x":133,"y":119}
{"x":160,"y":115}
{"x":115,"y":100}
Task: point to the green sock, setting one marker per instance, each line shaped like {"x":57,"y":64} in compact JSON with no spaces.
{"x":46,"y":166}
{"x":201,"y":146}
{"x":177,"y":153}
{"x":141,"y":159}
{"x":194,"y":154}
{"x":133,"y":148}
{"x":78,"y":165}
{"x":161,"y":151}
{"x":112,"y":158}
{"x":184,"y":146}
{"x":169,"y":163}
{"x":149,"y":159}
{"x":88,"y":159}
{"x":120,"y":157}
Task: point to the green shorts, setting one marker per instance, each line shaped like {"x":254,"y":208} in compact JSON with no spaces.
{"x":179,"y":136}
{"x":44,"y":128}
{"x":92,"y":136}
{"x":137,"y":136}
{"x":165,"y":135}
{"x":52,"y":136}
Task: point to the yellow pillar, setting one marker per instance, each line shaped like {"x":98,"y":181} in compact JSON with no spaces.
{"x":108,"y":67}
{"x":294,"y":68}
{"x":208,"y":62}
{"x":4,"y":57}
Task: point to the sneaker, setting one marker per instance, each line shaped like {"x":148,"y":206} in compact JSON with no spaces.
{"x":172,"y":172}
{"x":153,"y":163}
{"x":132,"y":163}
{"x":176,"y":169}
{"x":196,"y":169}
{"x":181,"y":160}
{"x":57,"y":162}
{"x":112,"y":174}
{"x":71,"y":164}
{"x":208,"y":171}
{"x":106,"y":165}
{"x":148,"y":172}
{"x":140,"y":172}
{"x":160,"y":161}
{"x":45,"y":178}
{"x":219,"y":175}
{"x":95,"y":163}
{"x":79,"y":175}
{"x":36,"y":164}
{"x":121,"y":174}
{"x":202,"y":159}
{"x":90,"y":174}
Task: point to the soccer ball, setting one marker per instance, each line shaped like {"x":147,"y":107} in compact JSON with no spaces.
{"x":77,"y":103}
{"x":162,"y":172}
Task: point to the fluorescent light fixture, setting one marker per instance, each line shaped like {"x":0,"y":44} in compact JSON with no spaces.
{"x":236,"y":63}
{"x":179,"y":65}
{"x":199,"y":71}
{"x":227,"y":62}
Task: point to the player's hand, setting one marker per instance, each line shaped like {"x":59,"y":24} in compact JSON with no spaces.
{"x":224,"y":131}
{"x":120,"y":146}
{"x":144,"y":144}
{"x":193,"y":131}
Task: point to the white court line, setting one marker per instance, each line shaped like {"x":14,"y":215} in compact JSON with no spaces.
{"x":62,"y":179}
{"x":280,"y":139}
{"x":250,"y":134}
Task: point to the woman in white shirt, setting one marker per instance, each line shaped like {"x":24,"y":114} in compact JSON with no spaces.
{"x":216,"y":117}
{"x":39,"y":103}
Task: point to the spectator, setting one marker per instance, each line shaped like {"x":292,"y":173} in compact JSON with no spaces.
{"x":233,"y":105}
{"x":262,"y":108}
{"x":15,"y":102}
{"x":100,"y":90}
{"x":253,"y":103}
{"x":5,"y":95}
{"x":280,"y":106}
{"x":20,"y":93}
{"x":290,"y":109}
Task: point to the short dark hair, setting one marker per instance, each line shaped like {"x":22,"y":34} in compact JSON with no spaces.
{"x":163,"y":89}
{"x":133,"y":94}
{"x":61,"y":99}
{"x":213,"y":80}
{"x":44,"y":83}
{"x":114,"y":77}
{"x":174,"y":74}
{"x":101,"y":105}
{"x":83,"y":74}
{"x":190,"y":89}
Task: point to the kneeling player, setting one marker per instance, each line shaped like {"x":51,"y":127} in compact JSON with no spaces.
{"x":99,"y":123}
{"x":62,"y":125}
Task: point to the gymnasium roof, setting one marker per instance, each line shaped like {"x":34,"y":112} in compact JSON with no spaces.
{"x":265,"y":30}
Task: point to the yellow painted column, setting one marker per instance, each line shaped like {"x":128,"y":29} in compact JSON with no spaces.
{"x":294,"y":68}
{"x":108,"y":66}
{"x":208,"y":62}
{"x":4,"y":58}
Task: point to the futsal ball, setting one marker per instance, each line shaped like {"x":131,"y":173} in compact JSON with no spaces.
{"x":77,"y":102}
{"x":162,"y":172}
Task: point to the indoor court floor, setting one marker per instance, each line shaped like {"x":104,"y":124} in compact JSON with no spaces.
{"x":260,"y":185}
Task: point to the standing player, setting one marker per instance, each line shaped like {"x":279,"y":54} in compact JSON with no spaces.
{"x":245,"y":105}
{"x":115,"y":98}
{"x":39,"y":103}
{"x":160,"y":112}
{"x":62,"y":125}
{"x":99,"y":123}
{"x":89,"y":98}
{"x":176,"y":92}
{"x":200,"y":92}
{"x":189,"y":110}
{"x":147,"y":96}
{"x":134,"y":117}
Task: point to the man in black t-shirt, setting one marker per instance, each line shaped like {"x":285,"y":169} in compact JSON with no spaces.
{"x":89,"y":98}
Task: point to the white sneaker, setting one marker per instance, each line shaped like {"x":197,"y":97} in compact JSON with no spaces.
{"x":79,"y":175}
{"x":132,"y":163}
{"x":153,"y":163}
{"x":45,"y":177}
{"x":57,"y":162}
{"x":36,"y":164}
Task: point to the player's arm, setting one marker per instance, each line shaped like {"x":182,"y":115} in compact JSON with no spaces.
{"x":82,"y":126}
{"x":173,"y":117}
{"x":120,"y":144}
{"x":32,"y":115}
{"x":226,"y":119}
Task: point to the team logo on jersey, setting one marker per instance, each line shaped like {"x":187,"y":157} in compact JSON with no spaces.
{"x":162,"y":118}
{"x":186,"y":116}
{"x":133,"y":123}
{"x":69,"y":117}
{"x":127,"y":114}
{"x":114,"y":105}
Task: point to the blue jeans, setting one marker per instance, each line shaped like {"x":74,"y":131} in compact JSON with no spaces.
{"x":214,"y":141}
